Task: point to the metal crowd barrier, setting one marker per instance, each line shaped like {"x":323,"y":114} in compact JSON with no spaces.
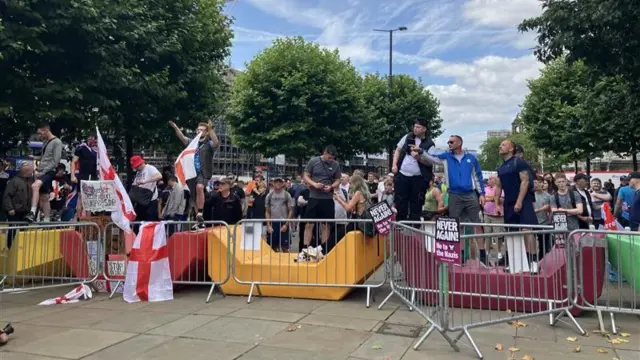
{"x":193,"y":255}
{"x":45,"y":255}
{"x":449,"y":296}
{"x":620,"y":295}
{"x":265,"y":262}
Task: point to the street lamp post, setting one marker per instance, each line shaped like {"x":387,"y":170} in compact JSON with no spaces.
{"x":391,"y":31}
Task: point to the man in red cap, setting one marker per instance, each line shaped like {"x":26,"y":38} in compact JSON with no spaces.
{"x":144,"y":192}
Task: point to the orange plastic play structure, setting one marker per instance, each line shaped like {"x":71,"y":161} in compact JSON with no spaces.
{"x":350,"y":262}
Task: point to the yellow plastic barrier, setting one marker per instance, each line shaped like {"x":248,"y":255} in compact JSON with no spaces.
{"x":350,"y":262}
{"x":33,"y":253}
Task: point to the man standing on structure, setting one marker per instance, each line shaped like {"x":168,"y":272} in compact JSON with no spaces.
{"x":463,"y":177}
{"x":412,"y":173}
{"x":203,"y":161}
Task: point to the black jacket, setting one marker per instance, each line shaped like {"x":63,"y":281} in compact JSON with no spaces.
{"x":426,"y":144}
{"x":227,"y":209}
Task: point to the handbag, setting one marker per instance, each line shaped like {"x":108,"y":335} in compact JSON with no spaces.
{"x":140,"y":195}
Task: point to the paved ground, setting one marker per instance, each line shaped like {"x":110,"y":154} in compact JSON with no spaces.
{"x":282,"y":329}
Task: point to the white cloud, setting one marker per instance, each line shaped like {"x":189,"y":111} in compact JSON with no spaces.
{"x":501,"y":13}
{"x":485,"y":93}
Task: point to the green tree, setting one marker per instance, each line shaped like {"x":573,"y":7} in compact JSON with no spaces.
{"x":490,"y":159}
{"x":557,"y":113}
{"x":295,"y":98}
{"x":128,"y":66}
{"x":409,"y":99}
{"x":602,"y":34}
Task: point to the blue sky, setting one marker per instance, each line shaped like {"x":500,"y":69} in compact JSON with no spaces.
{"x":467,"y":52}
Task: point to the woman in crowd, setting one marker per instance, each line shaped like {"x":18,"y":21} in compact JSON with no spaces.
{"x":549,"y":184}
{"x":433,"y":202}
{"x":359,"y":199}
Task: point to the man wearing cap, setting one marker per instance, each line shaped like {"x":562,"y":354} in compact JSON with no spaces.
{"x":634,"y":212}
{"x":203,"y":160}
{"x":224,"y":205}
{"x":412,"y":173}
{"x":322,"y":175}
{"x":278,"y":210}
{"x":145,"y":197}
{"x":624,"y":201}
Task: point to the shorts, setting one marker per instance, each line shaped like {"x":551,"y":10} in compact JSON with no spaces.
{"x":87,"y":176}
{"x":526,"y":215}
{"x":193,"y":183}
{"x":47,"y":179}
{"x":319,"y":209}
{"x":464,"y":207}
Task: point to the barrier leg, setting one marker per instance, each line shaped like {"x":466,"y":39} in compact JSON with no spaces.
{"x":473,"y":343}
{"x":212,"y":290}
{"x":614,"y":328}
{"x":368,"y":296}
{"x":115,"y":288}
{"x":600,"y":320}
{"x":567,"y":313}
{"x":253,"y":286}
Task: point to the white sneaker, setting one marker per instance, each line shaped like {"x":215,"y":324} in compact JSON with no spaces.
{"x":319,"y":254}
{"x":533,"y":267}
{"x":310,"y":252}
{"x":301,"y":257}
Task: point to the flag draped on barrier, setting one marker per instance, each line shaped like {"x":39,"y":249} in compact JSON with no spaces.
{"x":185,"y":163}
{"x":148,"y":277}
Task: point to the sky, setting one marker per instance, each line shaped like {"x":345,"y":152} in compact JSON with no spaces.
{"x":468,"y":53}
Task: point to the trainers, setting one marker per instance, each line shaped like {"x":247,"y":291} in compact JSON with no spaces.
{"x":31,"y":217}
{"x":199,"y":218}
{"x":198,"y":227}
{"x":301,"y":257}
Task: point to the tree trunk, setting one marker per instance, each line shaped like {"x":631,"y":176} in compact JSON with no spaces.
{"x":634,"y":157}
{"x":299,"y":167}
{"x":575,"y":166}
{"x":588,"y":166}
{"x":390,"y":151}
{"x":129,"y":150}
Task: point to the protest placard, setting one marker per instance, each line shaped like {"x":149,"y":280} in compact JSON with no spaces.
{"x":448,"y":249}
{"x":381,"y":215}
{"x":98,"y":195}
{"x":560,"y":224}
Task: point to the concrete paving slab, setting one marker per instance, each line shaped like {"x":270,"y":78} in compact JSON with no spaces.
{"x":248,"y":331}
{"x":185,"y":305}
{"x":74,"y":318}
{"x":182,"y":325}
{"x":354,"y":310}
{"x":289,"y":317}
{"x":129,"y":349}
{"x":320,"y":339}
{"x":383,"y":347}
{"x":262,"y":352}
{"x":628,"y":355}
{"x":28,"y":333}
{"x":214,"y":310}
{"x":115,"y":304}
{"x":21,"y":356}
{"x":136,"y":321}
{"x":405,"y":317}
{"x":30,"y":312}
{"x":195,"y":349}
{"x":74,"y":343}
{"x":283,"y":304}
{"x":340,"y":322}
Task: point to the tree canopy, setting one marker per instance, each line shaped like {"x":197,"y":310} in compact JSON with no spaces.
{"x":128,"y":65}
{"x":295,"y":98}
{"x":558,"y":115}
{"x":409,"y":99}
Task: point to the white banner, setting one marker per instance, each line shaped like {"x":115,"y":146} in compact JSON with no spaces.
{"x":99,"y":195}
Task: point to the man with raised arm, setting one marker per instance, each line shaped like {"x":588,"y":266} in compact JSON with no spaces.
{"x":203,"y":160}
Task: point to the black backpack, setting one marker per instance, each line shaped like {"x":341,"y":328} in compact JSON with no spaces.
{"x":572,"y":196}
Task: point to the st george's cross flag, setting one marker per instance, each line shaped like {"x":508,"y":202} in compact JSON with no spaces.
{"x":80,"y":292}
{"x":610,"y":222}
{"x":148,"y":277}
{"x":185,"y":163}
{"x":124,"y":213}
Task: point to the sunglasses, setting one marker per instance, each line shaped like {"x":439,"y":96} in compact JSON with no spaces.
{"x":449,"y":142}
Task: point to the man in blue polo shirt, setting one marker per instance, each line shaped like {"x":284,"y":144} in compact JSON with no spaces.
{"x":514,"y":177}
{"x":634,"y":212}
{"x":463,"y":177}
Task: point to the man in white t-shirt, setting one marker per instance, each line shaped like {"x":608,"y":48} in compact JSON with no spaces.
{"x":144,"y":192}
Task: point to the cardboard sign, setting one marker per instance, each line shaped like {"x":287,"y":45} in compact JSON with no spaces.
{"x":381,"y":215}
{"x":98,"y":196}
{"x":448,"y":248}
{"x":560,"y":224}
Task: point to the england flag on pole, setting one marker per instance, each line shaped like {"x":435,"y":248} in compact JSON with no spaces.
{"x":148,"y":277}
{"x":124,"y":213}
{"x":185,"y":163}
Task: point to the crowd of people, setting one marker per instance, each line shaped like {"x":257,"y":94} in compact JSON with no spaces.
{"x":517,"y":195}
